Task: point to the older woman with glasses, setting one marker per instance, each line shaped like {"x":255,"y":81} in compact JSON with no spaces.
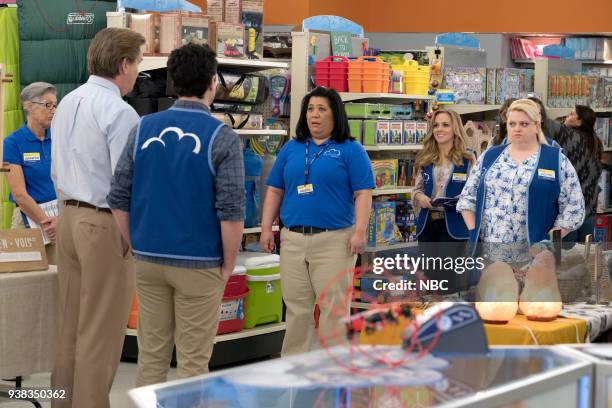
{"x":519,"y":191}
{"x":28,"y":154}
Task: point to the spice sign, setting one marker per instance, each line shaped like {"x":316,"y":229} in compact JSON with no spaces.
{"x":342,"y":44}
{"x":22,"y":250}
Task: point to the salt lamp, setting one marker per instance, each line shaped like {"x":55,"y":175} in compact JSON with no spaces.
{"x":541,"y":299}
{"x":497,"y":294}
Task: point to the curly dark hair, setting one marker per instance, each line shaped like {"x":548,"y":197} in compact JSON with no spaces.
{"x":191,"y":69}
{"x":341,"y":130}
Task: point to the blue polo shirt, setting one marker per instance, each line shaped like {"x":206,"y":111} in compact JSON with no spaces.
{"x":24,"y":149}
{"x":339,"y":170}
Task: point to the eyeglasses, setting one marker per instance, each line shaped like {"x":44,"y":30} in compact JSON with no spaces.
{"x":48,"y":105}
{"x":522,"y":125}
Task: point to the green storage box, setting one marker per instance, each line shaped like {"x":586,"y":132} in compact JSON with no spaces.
{"x":357,"y":110}
{"x":356,"y":128}
{"x":384,"y":110}
{"x":369,"y":132}
{"x":264,"y":303}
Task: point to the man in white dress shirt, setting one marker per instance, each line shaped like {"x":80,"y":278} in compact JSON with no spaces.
{"x":96,"y":281}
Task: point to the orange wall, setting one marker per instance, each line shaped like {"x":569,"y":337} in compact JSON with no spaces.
{"x":561,"y":16}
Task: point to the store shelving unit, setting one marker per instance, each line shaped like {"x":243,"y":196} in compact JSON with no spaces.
{"x":399,"y":245}
{"x":464,"y":109}
{"x":383,"y":97}
{"x":261,"y":132}
{"x":391,"y":148}
{"x":264,"y":329}
{"x":238,"y":65}
{"x":589,"y":62}
{"x":257,"y":230}
{"x":391,"y":191}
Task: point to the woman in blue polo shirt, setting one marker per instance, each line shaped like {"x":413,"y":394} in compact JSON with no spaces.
{"x":442,"y":169}
{"x":322,"y":183}
{"x":28,"y":152}
{"x":519,"y":191}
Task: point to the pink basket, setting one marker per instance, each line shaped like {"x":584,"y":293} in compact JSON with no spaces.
{"x":332,"y":74}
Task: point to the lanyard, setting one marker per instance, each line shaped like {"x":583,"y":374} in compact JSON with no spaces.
{"x":308,"y":164}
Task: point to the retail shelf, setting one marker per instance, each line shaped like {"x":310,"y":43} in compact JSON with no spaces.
{"x":559,"y":112}
{"x":263,"y":132}
{"x":467,"y":108}
{"x":590,"y":62}
{"x":363,"y":305}
{"x":389,"y":191}
{"x":392,"y":246}
{"x":387,"y":97}
{"x":160,"y":61}
{"x":605,"y":211}
{"x":256,"y":331}
{"x":257,"y":230}
{"x":394,"y":148}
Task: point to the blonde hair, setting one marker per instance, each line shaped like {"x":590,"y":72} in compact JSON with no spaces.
{"x":431,"y":153}
{"x":532,"y":110}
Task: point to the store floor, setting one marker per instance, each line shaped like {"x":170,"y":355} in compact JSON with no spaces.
{"x":124,"y":381}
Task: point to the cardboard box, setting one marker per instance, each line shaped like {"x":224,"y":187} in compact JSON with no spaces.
{"x":421,"y":131}
{"x":253,"y":34}
{"x":178,"y":29}
{"x":369,"y":132}
{"x":227,"y":39}
{"x":410,"y":132}
{"x":215,"y":10}
{"x":22,"y":250}
{"x":396,"y":133}
{"x":385,"y":173}
{"x":382,"y":132}
{"x":255,"y":6}
{"x":148,"y":25}
{"x":231,"y":11}
{"x":381,"y":228}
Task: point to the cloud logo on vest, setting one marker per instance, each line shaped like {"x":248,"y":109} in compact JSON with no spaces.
{"x":180,"y":134}
{"x":335,"y":153}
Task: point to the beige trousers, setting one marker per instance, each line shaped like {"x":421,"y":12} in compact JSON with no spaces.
{"x":309,"y":264}
{"x":176,"y":305}
{"x":17,"y":223}
{"x":96,"y":285}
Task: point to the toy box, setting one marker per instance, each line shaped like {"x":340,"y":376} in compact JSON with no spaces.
{"x":396,"y":133}
{"x":385,"y":173}
{"x":256,"y":6}
{"x":147,"y":25}
{"x":405,"y":172}
{"x":231,"y":11}
{"x":410,"y":132}
{"x":253,"y":34}
{"x":215,"y":10}
{"x":468,"y":84}
{"x":382,"y":223}
{"x":382,"y":131}
{"x":227,"y":39}
{"x":178,"y":29}
{"x":421,"y":131}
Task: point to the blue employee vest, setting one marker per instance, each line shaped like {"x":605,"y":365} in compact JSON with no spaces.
{"x":173,"y":212}
{"x":542,"y":195}
{"x":454,"y":221}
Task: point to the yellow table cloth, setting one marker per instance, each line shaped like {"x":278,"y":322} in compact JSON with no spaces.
{"x":518,"y":331}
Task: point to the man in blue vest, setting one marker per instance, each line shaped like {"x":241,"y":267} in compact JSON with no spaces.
{"x":178,"y":196}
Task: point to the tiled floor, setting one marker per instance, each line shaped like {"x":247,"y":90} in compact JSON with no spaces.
{"x":124,"y":381}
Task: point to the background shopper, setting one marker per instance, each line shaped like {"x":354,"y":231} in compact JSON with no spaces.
{"x":28,"y":152}
{"x":442,"y":170}
{"x":96,"y":281}
{"x":519,"y":191}
{"x":583,"y":148}
{"x":321,"y":182}
{"x":192,"y":189}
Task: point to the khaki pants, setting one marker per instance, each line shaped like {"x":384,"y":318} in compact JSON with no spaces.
{"x":17,"y":223}
{"x":308,"y":264}
{"x":96,"y":285}
{"x":176,"y":305}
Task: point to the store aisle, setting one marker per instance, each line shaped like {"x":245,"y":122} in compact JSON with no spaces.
{"x":124,"y":380}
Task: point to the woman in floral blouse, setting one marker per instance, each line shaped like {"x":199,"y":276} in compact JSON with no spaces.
{"x":442,"y":169}
{"x":520,"y":191}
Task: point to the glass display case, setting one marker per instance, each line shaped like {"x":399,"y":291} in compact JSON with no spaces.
{"x":385,"y":376}
{"x":601,"y":356}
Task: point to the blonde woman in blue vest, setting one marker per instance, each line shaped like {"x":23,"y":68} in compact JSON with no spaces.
{"x":518,"y":192}
{"x":442,"y":170}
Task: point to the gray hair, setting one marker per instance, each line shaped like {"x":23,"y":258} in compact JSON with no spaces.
{"x":36,"y":90}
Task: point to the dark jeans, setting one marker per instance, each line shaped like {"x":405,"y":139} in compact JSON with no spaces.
{"x":436,"y":242}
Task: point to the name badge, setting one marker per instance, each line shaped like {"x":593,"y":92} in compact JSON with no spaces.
{"x":459,"y":177}
{"x":28,"y":157}
{"x":546,"y":174}
{"x":305,"y":189}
